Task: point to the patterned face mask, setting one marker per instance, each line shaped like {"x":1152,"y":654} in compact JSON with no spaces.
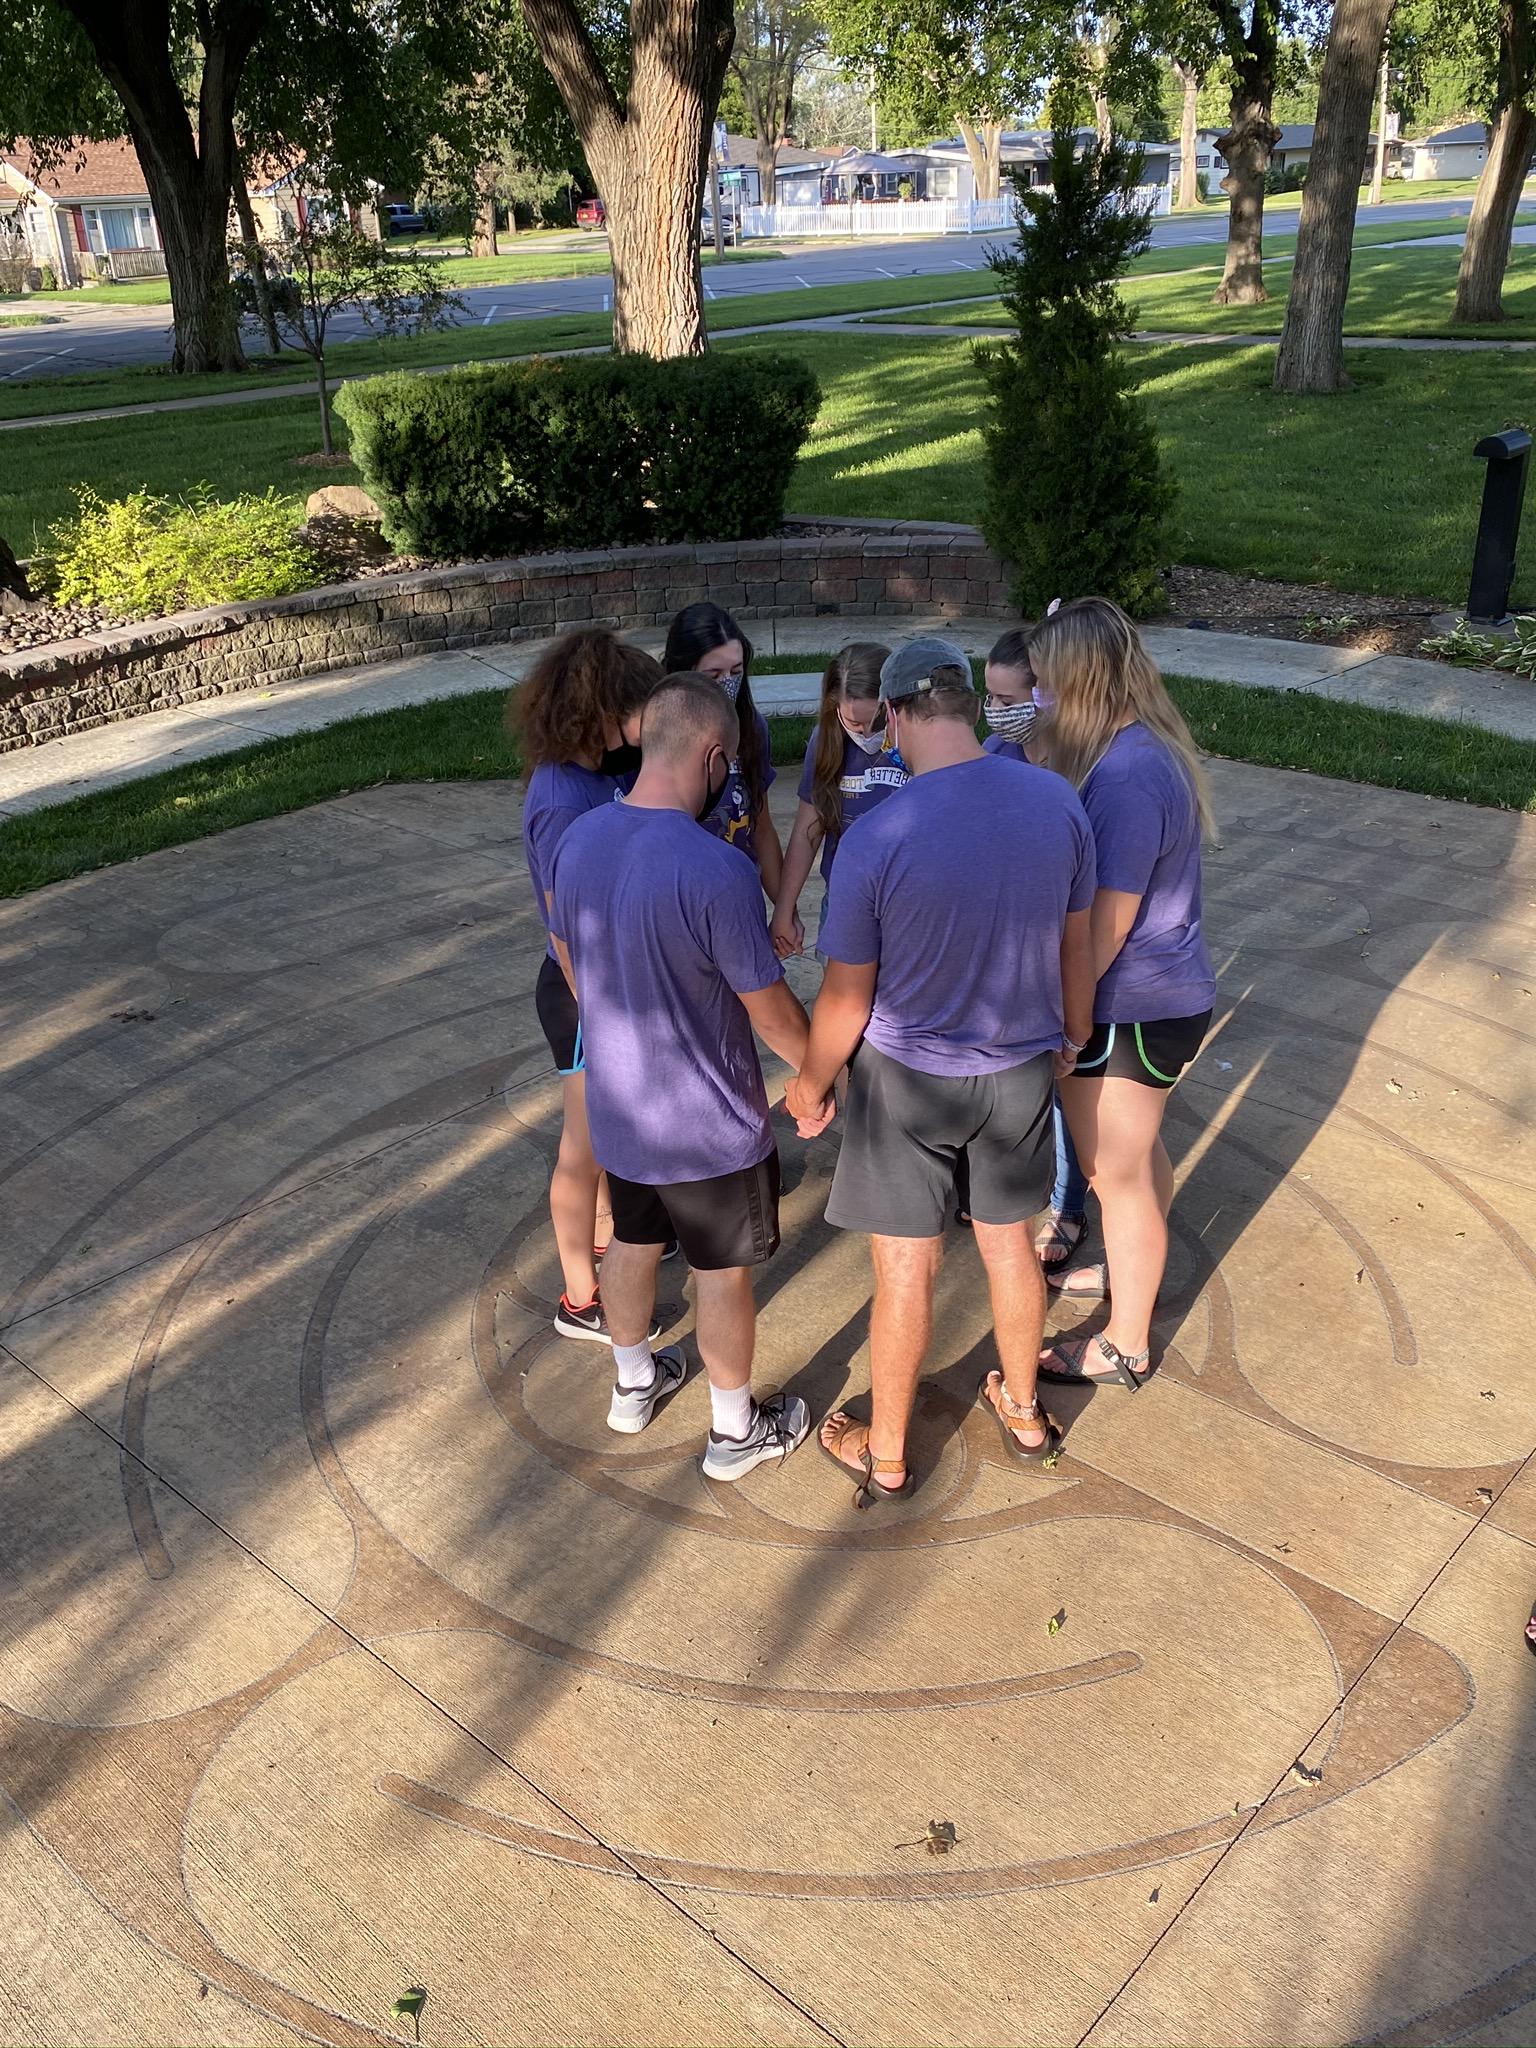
{"x":732,"y":683}
{"x":1010,"y":721}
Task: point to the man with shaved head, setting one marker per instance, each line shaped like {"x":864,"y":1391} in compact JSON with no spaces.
{"x":663,"y":928}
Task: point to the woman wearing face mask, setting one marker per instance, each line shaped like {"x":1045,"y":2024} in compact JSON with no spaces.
{"x":705,"y":640}
{"x":1109,"y":726}
{"x":577,"y":716}
{"x":1008,"y":707}
{"x":847,"y":772}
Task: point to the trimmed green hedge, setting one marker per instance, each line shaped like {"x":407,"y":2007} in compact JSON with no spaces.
{"x":582,"y":452}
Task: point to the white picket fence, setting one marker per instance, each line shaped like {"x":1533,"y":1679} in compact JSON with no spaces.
{"x":907,"y":216}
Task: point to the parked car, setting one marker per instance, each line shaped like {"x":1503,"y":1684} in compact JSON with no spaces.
{"x":400,"y":219}
{"x":590,"y":214}
{"x":730,"y":226}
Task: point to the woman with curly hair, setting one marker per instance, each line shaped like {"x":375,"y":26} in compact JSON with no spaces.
{"x":577,"y":714}
{"x":705,"y":640}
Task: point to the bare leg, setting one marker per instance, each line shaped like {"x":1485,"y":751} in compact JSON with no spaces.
{"x":1018,"y":1313}
{"x":603,"y":1232}
{"x":629,"y":1290}
{"x":1133,"y":1180}
{"x":573,"y":1196}
{"x":900,"y":1326}
{"x":727,"y":1324}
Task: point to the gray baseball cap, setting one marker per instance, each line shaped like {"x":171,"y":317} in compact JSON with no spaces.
{"x":908,"y":670}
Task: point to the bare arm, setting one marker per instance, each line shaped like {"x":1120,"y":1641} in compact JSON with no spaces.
{"x":779,"y":1019}
{"x":842,"y":1011}
{"x":788,"y":932}
{"x":770,"y":854}
{"x":1113,"y":914}
{"x":1078,"y":979}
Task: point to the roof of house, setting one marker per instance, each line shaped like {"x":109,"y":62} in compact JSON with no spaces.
{"x":1464,"y":131}
{"x":1020,"y":145}
{"x":741,"y":152}
{"x":89,"y":170}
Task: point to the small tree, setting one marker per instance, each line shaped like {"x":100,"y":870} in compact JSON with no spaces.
{"x":1077,"y":499}
{"x":325,"y":270}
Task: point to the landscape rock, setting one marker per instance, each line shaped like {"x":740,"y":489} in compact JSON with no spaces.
{"x":343,"y":501}
{"x":13,"y":578}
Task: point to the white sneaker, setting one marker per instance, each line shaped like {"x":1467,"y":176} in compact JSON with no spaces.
{"x":632,"y":1407}
{"x":780,"y":1425}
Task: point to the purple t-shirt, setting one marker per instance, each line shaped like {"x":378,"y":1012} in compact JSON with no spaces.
{"x":733,"y":818}
{"x":961,"y":893}
{"x":559,"y":792}
{"x":867,"y":780}
{"x":666,"y":931}
{"x":1146,"y":832}
{"x":994,"y":743}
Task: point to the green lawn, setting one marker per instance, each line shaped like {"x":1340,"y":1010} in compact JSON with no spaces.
{"x":463,"y":738}
{"x":1406,"y":292}
{"x":1373,"y":490}
{"x":29,"y":319}
{"x":140,"y":291}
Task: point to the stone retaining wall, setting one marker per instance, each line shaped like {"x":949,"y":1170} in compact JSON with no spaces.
{"x":890,"y":567}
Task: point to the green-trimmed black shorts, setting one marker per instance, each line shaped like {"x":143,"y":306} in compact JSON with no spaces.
{"x":1155,"y":1053}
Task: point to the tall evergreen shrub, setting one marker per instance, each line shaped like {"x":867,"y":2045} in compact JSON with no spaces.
{"x":1077,"y":496}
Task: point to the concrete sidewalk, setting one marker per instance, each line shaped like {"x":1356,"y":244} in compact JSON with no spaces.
{"x":110,"y":755}
{"x":344,"y":1649}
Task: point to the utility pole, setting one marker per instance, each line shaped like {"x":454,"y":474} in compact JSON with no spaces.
{"x":718,"y":141}
{"x":874,"y":116}
{"x":1379,"y":170}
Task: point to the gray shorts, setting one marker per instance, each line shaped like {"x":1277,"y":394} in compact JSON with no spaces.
{"x":903,"y":1132}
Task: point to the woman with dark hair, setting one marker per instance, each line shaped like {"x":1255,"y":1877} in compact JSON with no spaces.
{"x":577,"y":715}
{"x":705,"y":640}
{"x":847,"y":772}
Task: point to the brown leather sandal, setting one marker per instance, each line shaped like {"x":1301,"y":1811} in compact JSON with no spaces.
{"x":869,"y":1488}
{"x":1008,"y":1415}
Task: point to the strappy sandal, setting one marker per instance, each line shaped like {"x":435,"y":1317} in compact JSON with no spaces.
{"x":1062,"y":1234}
{"x":869,"y":1489}
{"x":1073,"y":1371}
{"x":1097,"y":1274}
{"x":1009,"y":1415}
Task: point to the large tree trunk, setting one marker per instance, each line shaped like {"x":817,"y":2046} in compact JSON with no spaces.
{"x":648,"y":156}
{"x":256,"y":263}
{"x":767,"y":169}
{"x":190,"y":179}
{"x":1311,"y":358}
{"x":984,"y":146}
{"x":482,"y":240}
{"x":1485,"y":253}
{"x":1246,"y":146}
{"x":1189,"y":137}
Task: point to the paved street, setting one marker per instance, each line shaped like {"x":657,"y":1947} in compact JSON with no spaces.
{"x":343,"y":1649}
{"x":101,"y":336}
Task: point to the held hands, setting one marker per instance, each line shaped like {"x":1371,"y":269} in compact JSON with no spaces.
{"x":787,"y":933}
{"x":811,"y":1112}
{"x":1066,"y":1064}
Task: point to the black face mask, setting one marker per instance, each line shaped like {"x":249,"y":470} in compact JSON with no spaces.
{"x":714,"y":792}
{"x":622,"y":762}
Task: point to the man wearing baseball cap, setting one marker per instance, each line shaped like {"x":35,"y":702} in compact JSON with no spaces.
{"x":959,"y":984}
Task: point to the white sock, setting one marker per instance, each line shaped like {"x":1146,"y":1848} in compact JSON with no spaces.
{"x":730,"y":1410}
{"x":635,"y":1366}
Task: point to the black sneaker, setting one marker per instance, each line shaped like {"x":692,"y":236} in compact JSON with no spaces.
{"x":589,"y":1323}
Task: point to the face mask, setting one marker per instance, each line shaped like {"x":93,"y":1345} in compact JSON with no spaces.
{"x":866,"y":742}
{"x":1043,"y":701}
{"x":621,"y":762}
{"x":1010,"y":721}
{"x":732,"y":684}
{"x":713,"y":792}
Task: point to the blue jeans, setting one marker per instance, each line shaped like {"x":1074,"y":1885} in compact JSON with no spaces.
{"x":1069,"y":1197}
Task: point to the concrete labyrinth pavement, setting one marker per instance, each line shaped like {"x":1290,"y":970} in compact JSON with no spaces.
{"x":343,"y":1649}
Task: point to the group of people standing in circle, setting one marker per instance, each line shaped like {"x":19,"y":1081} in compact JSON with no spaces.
{"x":1014,"y":977}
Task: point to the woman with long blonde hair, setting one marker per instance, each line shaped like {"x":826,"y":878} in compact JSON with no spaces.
{"x":1109,"y":726}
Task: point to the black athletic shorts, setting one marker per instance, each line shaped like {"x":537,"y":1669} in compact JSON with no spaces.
{"x":904,"y":1131}
{"x":1155,"y":1053}
{"x":559,"y":1017}
{"x":731,"y":1220}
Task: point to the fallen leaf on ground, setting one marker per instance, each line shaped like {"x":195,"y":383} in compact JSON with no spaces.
{"x":1485,"y":1495}
{"x":1304,"y":1774}
{"x":1394,"y":1087}
{"x":1154,"y":1895}
{"x":1057,"y":1622}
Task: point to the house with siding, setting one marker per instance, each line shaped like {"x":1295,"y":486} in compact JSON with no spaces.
{"x":88,"y":217}
{"x":1458,"y":152}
